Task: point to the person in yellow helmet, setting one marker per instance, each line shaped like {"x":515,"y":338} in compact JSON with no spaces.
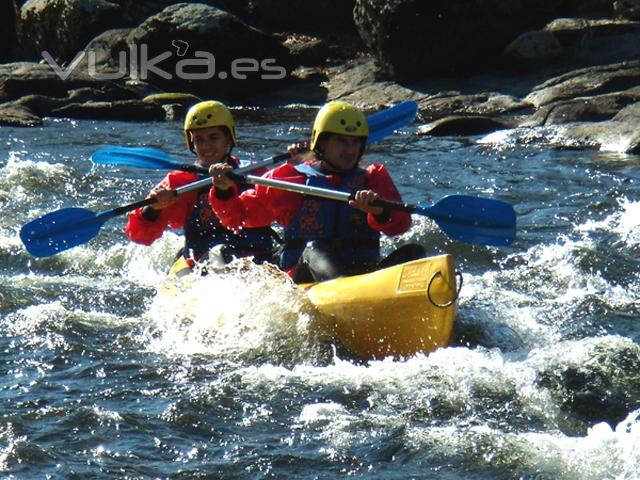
{"x":210,"y":134}
{"x":323,"y":238}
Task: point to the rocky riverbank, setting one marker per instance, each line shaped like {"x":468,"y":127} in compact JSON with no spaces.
{"x":570,"y":66}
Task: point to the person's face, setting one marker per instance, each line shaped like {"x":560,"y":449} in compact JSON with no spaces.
{"x":341,"y":151}
{"x":212,"y":144}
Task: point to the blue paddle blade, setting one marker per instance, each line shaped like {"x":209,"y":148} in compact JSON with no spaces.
{"x":384,"y":123}
{"x":137,"y":157}
{"x":474,"y":220}
{"x":60,"y":230}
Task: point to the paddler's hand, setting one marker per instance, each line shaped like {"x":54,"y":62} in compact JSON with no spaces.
{"x":362,"y":201}
{"x":164,"y":197}
{"x":299,"y":152}
{"x":218,"y":172}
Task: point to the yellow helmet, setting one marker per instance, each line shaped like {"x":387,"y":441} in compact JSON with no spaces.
{"x":341,"y":118}
{"x":208,"y":114}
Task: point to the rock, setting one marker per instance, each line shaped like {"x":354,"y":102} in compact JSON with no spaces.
{"x":534,"y":48}
{"x":627,"y":9}
{"x":579,"y":31}
{"x":107,"y":92}
{"x":107,"y":54}
{"x":303,"y":15}
{"x":463,"y":125}
{"x":630,"y":113}
{"x":576,"y":42}
{"x":134,"y":12}
{"x":8,"y":38}
{"x":133,"y":110}
{"x":357,"y":83}
{"x":454,"y":103}
{"x":63,"y":27}
{"x":183,"y":99}
{"x":40,"y":105}
{"x":24,"y":78}
{"x":584,"y":109}
{"x":307,"y":51}
{"x":591,"y":380}
{"x":174,"y":111}
{"x":587,"y":82}
{"x":17,"y":116}
{"x":413,"y":40}
{"x":191,"y":46}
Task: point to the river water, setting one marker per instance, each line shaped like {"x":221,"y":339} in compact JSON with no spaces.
{"x":110,"y":369}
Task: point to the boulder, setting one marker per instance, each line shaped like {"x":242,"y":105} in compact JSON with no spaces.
{"x":24,"y":78}
{"x":357,"y":83}
{"x":584,"y":109}
{"x":589,"y":81}
{"x":183,"y":99}
{"x":304,"y":16}
{"x":463,"y":125}
{"x":456,"y":104}
{"x":17,"y":116}
{"x":202,"y":49}
{"x":40,"y":105}
{"x":107,"y":54}
{"x":133,"y":110}
{"x":576,"y":42}
{"x":413,"y":40}
{"x":592,"y":381}
{"x":307,"y":51}
{"x":8,"y":38}
{"x":63,"y":27}
{"x":534,"y":48}
{"x":627,"y":9}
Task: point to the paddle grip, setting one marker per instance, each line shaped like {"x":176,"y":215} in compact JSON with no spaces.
{"x":237,"y":177}
{"x":129,"y":208}
{"x":190,"y":167}
{"x":393,"y":205}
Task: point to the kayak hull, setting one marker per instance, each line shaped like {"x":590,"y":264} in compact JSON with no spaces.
{"x":398,"y":311}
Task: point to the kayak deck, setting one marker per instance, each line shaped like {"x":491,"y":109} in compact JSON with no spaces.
{"x":398,"y":311}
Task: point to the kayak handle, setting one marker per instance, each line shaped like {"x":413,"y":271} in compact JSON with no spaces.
{"x":455,"y":297}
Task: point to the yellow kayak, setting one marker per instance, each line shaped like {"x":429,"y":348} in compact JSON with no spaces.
{"x":398,"y":311}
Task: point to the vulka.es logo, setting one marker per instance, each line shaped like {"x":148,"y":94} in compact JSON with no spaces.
{"x":202,"y":66}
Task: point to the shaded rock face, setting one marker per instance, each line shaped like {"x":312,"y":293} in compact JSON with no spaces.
{"x":414,"y":39}
{"x":24,"y":78}
{"x":8,"y":39}
{"x":598,"y":80}
{"x":103,"y":53}
{"x":63,"y":27}
{"x":202,"y":49}
{"x":18,"y":117}
{"x":597,"y":389}
{"x":575,"y":42}
{"x":134,"y":12}
{"x":304,"y":16}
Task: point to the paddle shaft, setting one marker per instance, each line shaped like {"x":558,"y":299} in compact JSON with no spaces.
{"x":480,"y":221}
{"x":317,"y":191}
{"x":204,"y":183}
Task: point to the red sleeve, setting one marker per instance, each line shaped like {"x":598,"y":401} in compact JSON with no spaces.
{"x":379,"y":181}
{"x":260,"y":206}
{"x":263,"y":205}
{"x":141,"y":230}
